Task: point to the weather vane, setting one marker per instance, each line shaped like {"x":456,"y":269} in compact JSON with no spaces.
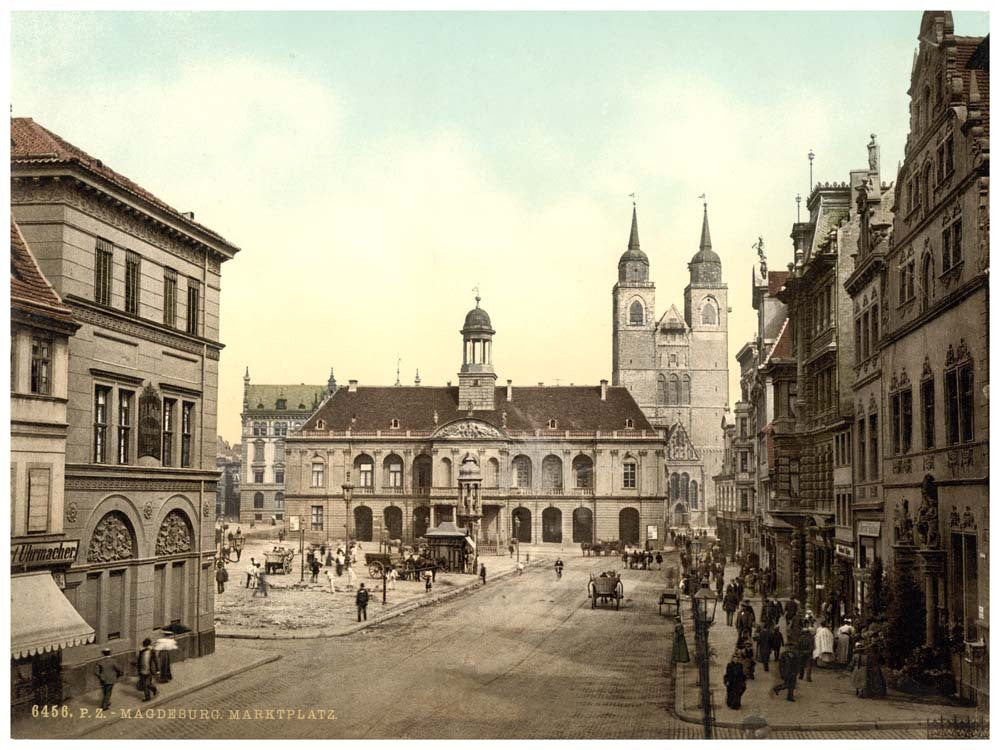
{"x":633,"y":196}
{"x":476,"y":290}
{"x":704,"y":200}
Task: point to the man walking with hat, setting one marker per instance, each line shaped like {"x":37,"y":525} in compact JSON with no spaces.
{"x":108,"y":673}
{"x":146,"y":666}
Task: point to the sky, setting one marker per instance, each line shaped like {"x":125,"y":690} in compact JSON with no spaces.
{"x":375,"y":167}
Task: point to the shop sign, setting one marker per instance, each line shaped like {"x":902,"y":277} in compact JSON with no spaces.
{"x":869,"y":528}
{"x":845,"y":550}
{"x":35,"y":554}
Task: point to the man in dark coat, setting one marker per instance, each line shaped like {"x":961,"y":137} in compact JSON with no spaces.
{"x":221,"y":576}
{"x":729,"y":603}
{"x":147,"y":666}
{"x":108,"y":673}
{"x":777,"y":641}
{"x":361,"y":599}
{"x":745,"y":621}
{"x":735,"y":681}
{"x":763,"y":639}
{"x":805,"y":646}
{"x":788,"y":668}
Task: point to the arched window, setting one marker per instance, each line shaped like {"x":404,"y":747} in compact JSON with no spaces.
{"x":694,"y":495}
{"x":521,"y":474}
{"x":925,"y":108}
{"x":661,"y":389}
{"x":709,"y":313}
{"x":258,"y":500}
{"x":675,"y":486}
{"x":685,"y":389}
{"x":674,"y":397}
{"x":928,"y":185}
{"x":583,"y":472}
{"x":422,"y":471}
{"x":492,"y":473}
{"x":685,"y":487}
{"x":636,"y":314}
{"x":392,"y":468}
{"x":552,"y":525}
{"x":393,"y":519}
{"x":363,"y":523}
{"x":926,"y":281}
{"x":583,"y":525}
{"x":279,"y":501}
{"x":445,"y":472}
{"x":365,"y":467}
{"x":552,"y":473}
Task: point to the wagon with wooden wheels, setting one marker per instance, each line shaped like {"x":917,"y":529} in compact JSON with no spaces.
{"x":380,"y":563}
{"x":279,"y":560}
{"x":606,"y":587}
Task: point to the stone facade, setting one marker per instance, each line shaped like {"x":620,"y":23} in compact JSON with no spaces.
{"x":676,"y":365}
{"x":561,"y":465}
{"x":934,"y":350}
{"x":140,"y":478}
{"x":270,"y":414}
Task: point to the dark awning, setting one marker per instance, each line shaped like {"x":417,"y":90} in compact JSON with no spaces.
{"x":445,"y":529}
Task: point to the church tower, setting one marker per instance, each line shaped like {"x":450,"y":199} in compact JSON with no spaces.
{"x":633,"y":320}
{"x":706,"y":312}
{"x":476,"y":379}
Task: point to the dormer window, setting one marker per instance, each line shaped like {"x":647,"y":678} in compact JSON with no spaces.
{"x":320,"y":424}
{"x":552,"y":424}
{"x":281,"y":404}
{"x":394,"y":424}
{"x":629,"y":424}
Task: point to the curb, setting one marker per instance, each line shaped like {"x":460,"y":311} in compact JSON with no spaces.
{"x":350,"y":630}
{"x":184,"y":691}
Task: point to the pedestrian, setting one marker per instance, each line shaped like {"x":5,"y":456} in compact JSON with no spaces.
{"x":719,"y":586}
{"x":315,"y":570}
{"x":261,"y":582}
{"x":735,"y":681}
{"x":510,"y":549}
{"x":391,"y":577}
{"x":251,"y":571}
{"x":845,"y":639}
{"x":763,"y":640}
{"x":330,"y":579}
{"x":823,"y":645}
{"x":745,"y":648}
{"x":745,"y":621}
{"x":805,"y":646}
{"x":859,"y":670}
{"x":221,"y":576}
{"x":659,"y":561}
{"x":520,"y":568}
{"x":729,"y":603}
{"x":362,"y":601}
{"x":352,"y":577}
{"x":679,"y":654}
{"x":163,"y":647}
{"x":777,"y":641}
{"x":482,"y":574}
{"x":340,"y":563}
{"x":147,"y":666}
{"x":427,"y":582}
{"x":788,"y":668}
{"x":874,"y":679}
{"x":108,"y":673}
{"x":791,"y":609}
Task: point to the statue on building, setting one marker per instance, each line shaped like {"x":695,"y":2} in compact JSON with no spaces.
{"x":953,"y":519}
{"x":903,"y":525}
{"x":968,"y":520}
{"x":927,"y":515}
{"x":873,"y":155}
{"x":759,"y":247}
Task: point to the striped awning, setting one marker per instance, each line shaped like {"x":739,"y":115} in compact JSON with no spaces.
{"x":42,"y":618}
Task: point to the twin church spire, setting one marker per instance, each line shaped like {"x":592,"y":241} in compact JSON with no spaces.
{"x":705,"y":266}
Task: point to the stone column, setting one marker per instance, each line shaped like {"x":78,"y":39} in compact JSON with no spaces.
{"x":932,"y":564}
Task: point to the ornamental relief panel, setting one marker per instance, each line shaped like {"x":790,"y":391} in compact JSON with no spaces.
{"x":112,"y":540}
{"x":174,"y":536}
{"x":468,"y":429}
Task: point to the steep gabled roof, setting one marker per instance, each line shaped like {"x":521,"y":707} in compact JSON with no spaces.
{"x":672,"y":320}
{"x":300,"y":399}
{"x":30,"y":291}
{"x":575,"y":408}
{"x":782,"y":348}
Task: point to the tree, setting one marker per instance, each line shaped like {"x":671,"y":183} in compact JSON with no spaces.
{"x":904,"y":632}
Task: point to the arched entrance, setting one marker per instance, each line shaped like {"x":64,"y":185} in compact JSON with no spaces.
{"x":680,"y":515}
{"x":363,"y":523}
{"x":421,"y":520}
{"x":628,"y":526}
{"x":552,"y":525}
{"x":583,"y":525}
{"x":520,"y":521}
{"x":393,"y":521}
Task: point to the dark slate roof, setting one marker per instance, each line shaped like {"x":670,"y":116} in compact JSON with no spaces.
{"x":634,"y":252}
{"x":30,"y":143}
{"x":264,"y":398}
{"x":30,"y":291}
{"x":576,"y":408}
{"x":705,"y":253}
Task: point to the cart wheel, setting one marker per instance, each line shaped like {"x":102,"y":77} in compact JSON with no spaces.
{"x":375,"y":570}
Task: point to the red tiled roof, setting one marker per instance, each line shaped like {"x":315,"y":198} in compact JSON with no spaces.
{"x":29,"y":289}
{"x":30,"y":143}
{"x":776,"y":280}
{"x":575,"y":408}
{"x":782,"y":348}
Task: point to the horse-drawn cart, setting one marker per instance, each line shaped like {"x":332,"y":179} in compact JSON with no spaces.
{"x":279,"y":560}
{"x":605,"y":587}
{"x":380,"y":563}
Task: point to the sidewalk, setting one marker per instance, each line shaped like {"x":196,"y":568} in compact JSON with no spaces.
{"x":190,"y":675}
{"x":826,"y":703}
{"x":310,"y":610}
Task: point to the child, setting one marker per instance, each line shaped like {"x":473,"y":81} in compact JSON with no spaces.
{"x":427,"y":582}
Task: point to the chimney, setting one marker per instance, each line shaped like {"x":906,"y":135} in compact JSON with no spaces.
{"x":510,"y":391}
{"x":604,"y":390}
{"x":540,"y":383}
{"x":449,"y":384}
{"x":352,"y":386}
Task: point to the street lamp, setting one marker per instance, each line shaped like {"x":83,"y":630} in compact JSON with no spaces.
{"x":347,"y":488}
{"x":703,"y":604}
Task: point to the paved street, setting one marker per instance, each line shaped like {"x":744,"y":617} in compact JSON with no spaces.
{"x":524,"y":658}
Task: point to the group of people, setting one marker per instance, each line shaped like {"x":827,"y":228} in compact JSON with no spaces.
{"x":152,"y":663}
{"x":637,"y":559}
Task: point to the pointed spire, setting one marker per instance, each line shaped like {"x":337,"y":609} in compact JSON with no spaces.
{"x":633,"y":237}
{"x":706,"y":238}
{"x":246,"y":375}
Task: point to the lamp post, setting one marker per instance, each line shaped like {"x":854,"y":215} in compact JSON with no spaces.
{"x":703,"y":605}
{"x":517,"y":536}
{"x":348,"y":489}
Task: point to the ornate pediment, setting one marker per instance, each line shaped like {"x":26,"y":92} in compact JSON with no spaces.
{"x":469,"y":429}
{"x":679,"y":446}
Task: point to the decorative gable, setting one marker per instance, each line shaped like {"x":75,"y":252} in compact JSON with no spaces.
{"x":679,"y":446}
